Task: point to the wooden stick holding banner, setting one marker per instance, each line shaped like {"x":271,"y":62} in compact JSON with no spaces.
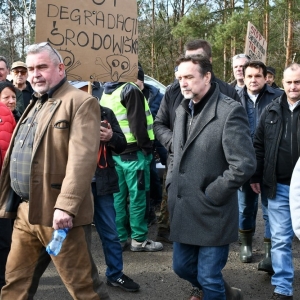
{"x":90,"y":88}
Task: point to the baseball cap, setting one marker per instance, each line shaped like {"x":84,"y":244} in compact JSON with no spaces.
{"x":17,"y":64}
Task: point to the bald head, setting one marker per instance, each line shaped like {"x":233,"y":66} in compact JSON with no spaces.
{"x":291,"y":82}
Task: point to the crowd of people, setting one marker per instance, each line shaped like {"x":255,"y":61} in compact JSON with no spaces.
{"x":224,"y":146}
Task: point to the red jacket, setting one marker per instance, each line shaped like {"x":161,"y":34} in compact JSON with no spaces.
{"x":7,"y":125}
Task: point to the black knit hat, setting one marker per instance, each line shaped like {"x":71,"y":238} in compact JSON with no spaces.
{"x":271,"y":70}
{"x":140,"y":73}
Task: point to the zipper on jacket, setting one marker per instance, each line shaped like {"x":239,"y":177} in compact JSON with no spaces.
{"x":275,"y":161}
{"x":292,"y":115}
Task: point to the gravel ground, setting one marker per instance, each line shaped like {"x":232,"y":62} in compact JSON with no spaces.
{"x":153,"y":271}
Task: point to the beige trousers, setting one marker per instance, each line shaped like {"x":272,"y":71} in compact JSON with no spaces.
{"x":74,"y":263}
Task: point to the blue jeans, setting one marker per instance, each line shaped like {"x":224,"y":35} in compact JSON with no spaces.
{"x":282,"y":237}
{"x":105,"y":222}
{"x":202,"y":267}
{"x":248,"y":205}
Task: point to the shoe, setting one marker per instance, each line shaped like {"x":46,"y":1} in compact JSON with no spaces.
{"x":124,"y":245}
{"x":196,"y":294}
{"x":266,"y":264}
{"x":125,"y":283}
{"x":147,"y":245}
{"x":163,"y":236}
{"x":246,"y":246}
{"x":232,"y":293}
{"x":280,"y":297}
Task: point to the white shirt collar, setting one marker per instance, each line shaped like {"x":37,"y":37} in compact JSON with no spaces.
{"x":294,"y":105}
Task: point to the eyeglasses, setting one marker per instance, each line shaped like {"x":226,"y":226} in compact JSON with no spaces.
{"x":241,"y":56}
{"x":22,"y":72}
{"x":44,"y":44}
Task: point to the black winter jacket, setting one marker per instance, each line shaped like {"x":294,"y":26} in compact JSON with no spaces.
{"x":266,"y":143}
{"x":107,"y":181}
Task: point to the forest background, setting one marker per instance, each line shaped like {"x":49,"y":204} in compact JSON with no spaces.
{"x":166,"y":25}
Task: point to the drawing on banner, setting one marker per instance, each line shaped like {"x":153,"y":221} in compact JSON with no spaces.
{"x":116,"y":66}
{"x":98,"y":40}
{"x":70,"y":64}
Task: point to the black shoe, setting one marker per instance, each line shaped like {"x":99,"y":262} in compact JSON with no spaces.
{"x":125,"y":283}
{"x":281,"y":297}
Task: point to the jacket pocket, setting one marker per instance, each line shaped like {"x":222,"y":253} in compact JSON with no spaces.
{"x":56,"y":186}
{"x":271,"y":123}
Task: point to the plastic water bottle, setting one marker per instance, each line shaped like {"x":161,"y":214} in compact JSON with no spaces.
{"x":58,"y":236}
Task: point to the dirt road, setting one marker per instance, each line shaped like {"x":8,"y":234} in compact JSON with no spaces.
{"x":153,"y":271}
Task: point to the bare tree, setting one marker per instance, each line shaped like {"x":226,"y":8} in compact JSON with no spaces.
{"x":289,"y":42}
{"x":266,"y":21}
{"x":24,"y":10}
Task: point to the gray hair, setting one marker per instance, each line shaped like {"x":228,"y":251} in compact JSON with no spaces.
{"x":45,"y":46}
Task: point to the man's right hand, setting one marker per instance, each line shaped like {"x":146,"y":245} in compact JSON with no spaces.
{"x":62,"y":220}
{"x":255,"y":188}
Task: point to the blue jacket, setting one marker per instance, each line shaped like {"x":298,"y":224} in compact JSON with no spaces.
{"x":254,"y":111}
{"x":154,"y":99}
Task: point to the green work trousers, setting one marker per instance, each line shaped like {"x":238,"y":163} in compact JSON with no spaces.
{"x":134,"y":181}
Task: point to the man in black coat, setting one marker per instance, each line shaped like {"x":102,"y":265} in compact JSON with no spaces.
{"x":19,"y":79}
{"x":211,"y":159}
{"x":277,"y":144}
{"x":164,"y":122}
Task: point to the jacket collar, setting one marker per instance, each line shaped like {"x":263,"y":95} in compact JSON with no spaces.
{"x":266,"y":88}
{"x":50,"y":93}
{"x":198,"y":107}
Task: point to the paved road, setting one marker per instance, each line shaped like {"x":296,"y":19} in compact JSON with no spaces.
{"x":154,"y":273}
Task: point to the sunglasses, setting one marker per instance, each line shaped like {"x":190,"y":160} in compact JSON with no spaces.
{"x":22,"y":72}
{"x":44,"y":44}
{"x":241,"y":56}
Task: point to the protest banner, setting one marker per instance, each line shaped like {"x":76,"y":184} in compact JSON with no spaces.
{"x":255,"y":44}
{"x":98,"y":39}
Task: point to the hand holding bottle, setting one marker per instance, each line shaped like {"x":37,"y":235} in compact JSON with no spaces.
{"x":58,"y":236}
{"x":62,"y":220}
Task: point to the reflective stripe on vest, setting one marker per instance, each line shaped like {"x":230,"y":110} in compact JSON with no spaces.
{"x":113,"y":101}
